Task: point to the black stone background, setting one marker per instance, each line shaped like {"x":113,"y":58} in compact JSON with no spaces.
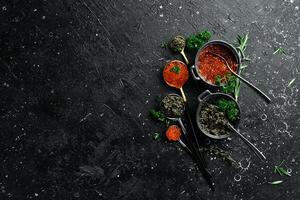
{"x":78,"y":79}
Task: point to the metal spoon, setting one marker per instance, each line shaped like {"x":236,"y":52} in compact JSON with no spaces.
{"x":257,"y":90}
{"x":257,"y":152}
{"x":200,"y":161}
{"x":178,"y":80}
{"x":177,"y":45}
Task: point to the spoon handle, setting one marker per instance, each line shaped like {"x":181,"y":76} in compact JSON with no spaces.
{"x":256,"y":89}
{"x":257,"y":152}
{"x":184,"y":146}
{"x":184,"y":57}
{"x":200,"y":160}
{"x":182,"y":94}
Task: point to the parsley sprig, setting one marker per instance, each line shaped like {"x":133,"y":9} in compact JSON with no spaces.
{"x":194,"y":42}
{"x":157,"y":115}
{"x":227,"y":83}
{"x":175,"y":69}
{"x":229,"y":107}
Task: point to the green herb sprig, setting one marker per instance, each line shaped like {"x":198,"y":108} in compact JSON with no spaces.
{"x":227,"y":83}
{"x":276,"y":182}
{"x":194,"y":42}
{"x":229,"y":107}
{"x":175,"y":69}
{"x":281,"y":171}
{"x":291,"y":82}
{"x":157,"y":115}
{"x":279,"y":50}
{"x":242,"y":43}
{"x":222,"y":154}
{"x":156,"y":136}
{"x":164,"y":45}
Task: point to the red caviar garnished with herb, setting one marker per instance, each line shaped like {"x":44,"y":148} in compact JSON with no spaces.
{"x":210,"y":65}
{"x":176,"y":73}
{"x":173,"y":133}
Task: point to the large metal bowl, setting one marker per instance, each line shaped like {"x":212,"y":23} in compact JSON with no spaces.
{"x":208,"y":97}
{"x":195,"y":68}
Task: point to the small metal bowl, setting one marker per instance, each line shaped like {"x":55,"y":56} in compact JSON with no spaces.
{"x":195,"y":68}
{"x":208,"y":97}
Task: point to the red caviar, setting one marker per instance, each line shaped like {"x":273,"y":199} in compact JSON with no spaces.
{"x":176,"y":78}
{"x":173,"y":133}
{"x":210,"y":65}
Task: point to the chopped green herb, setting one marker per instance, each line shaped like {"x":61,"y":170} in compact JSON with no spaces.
{"x":291,"y":82}
{"x":175,"y":69}
{"x":157,"y":115}
{"x":279,"y":50}
{"x":229,"y":87}
{"x":156,"y":136}
{"x":164,"y":45}
{"x":275,"y":182}
{"x":222,"y":154}
{"x":229,"y":107}
{"x":229,"y":83}
{"x":218,"y":80}
{"x":194,"y":42}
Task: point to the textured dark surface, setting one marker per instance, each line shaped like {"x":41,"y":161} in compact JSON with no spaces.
{"x":78,"y":79}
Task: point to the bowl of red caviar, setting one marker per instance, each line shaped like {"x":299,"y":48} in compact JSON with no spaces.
{"x":208,"y":64}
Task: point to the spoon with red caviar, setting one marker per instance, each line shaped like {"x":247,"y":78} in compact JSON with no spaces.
{"x":256,"y":89}
{"x":173,"y":133}
{"x":174,"y":107}
{"x":176,"y":74}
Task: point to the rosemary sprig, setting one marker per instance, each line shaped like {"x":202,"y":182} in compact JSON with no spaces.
{"x":281,"y":171}
{"x":279,"y":50}
{"x":242,"y":42}
{"x":275,"y":182}
{"x":291,"y":82}
{"x":222,"y":154}
{"x":242,"y":46}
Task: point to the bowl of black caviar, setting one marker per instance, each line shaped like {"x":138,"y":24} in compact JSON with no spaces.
{"x":214,"y":113}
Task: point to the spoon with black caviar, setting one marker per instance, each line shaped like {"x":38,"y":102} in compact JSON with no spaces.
{"x":177,"y":44}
